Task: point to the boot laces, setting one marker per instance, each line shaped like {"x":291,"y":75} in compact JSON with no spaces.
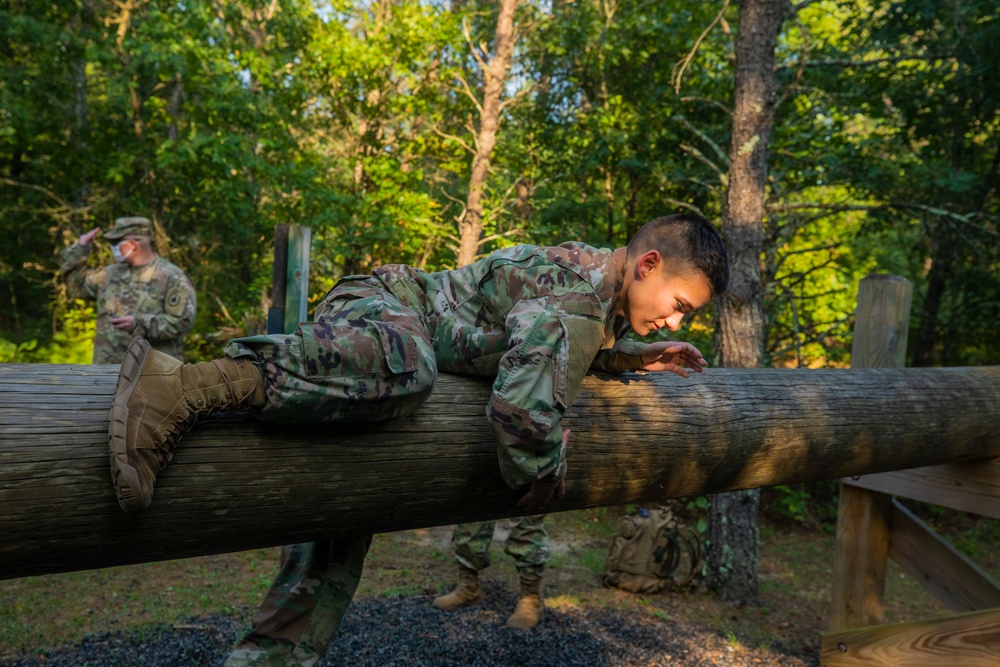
{"x":225,"y":378}
{"x":237,"y":401}
{"x":167,"y":436}
{"x":171,"y":432}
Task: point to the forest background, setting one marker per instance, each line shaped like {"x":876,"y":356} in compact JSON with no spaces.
{"x":219,"y":120}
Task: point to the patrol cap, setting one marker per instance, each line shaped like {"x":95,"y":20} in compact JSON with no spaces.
{"x":129,"y":227}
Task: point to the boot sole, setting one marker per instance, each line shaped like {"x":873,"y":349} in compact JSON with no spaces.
{"x":124,"y":476}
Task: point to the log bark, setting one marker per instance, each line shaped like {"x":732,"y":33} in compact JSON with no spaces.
{"x":237,"y":484}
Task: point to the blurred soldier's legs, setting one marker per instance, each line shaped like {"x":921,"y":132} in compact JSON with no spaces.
{"x":472,"y":544}
{"x":305,"y":604}
{"x":527,"y":544}
{"x":472,"y":551}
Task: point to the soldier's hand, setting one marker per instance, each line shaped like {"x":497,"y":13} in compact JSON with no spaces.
{"x":88,"y":237}
{"x":123,"y":323}
{"x":672,"y":356}
{"x":540,"y":493}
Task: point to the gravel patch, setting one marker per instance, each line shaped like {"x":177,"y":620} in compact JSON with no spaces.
{"x":409,"y":632}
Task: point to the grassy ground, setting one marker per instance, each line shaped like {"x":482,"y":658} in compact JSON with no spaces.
{"x":795,"y":574}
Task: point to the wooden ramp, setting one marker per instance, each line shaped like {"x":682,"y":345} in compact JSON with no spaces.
{"x":236,"y":484}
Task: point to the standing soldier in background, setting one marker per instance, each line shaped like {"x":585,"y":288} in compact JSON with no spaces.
{"x":141,"y":294}
{"x":527,"y":544}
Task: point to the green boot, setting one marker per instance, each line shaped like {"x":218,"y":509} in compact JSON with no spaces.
{"x":467,"y":592}
{"x":529,"y":608}
{"x":158,"y":399}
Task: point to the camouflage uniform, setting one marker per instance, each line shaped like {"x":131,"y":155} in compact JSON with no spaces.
{"x":527,"y":543}
{"x":535,"y":318}
{"x":158,"y":295}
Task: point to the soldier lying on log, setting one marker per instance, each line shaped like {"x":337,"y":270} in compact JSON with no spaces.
{"x":534,"y":318}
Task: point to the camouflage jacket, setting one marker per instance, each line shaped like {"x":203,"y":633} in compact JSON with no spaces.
{"x":158,"y":295}
{"x":536,"y":318}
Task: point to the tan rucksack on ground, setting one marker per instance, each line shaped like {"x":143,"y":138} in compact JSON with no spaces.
{"x":652,"y":553}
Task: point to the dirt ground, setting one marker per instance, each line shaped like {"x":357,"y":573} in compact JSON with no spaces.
{"x":40,"y":613}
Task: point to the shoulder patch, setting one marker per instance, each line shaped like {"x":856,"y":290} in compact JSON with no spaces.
{"x":176,"y":301}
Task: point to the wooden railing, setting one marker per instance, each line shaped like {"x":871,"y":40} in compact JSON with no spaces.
{"x":872,"y":526}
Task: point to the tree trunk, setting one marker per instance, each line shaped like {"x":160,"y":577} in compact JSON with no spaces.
{"x":495,"y":74}
{"x":237,"y":484}
{"x":81,"y":112}
{"x":733,"y":533}
{"x":925,"y":342}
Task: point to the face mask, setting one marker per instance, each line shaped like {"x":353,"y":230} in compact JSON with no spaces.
{"x":117,"y":252}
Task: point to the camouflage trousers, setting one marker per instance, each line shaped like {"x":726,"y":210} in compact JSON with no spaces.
{"x":527,"y":543}
{"x":366,"y":357}
{"x":305,"y":604}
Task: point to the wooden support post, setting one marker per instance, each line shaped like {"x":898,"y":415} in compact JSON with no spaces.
{"x":297,"y":277}
{"x":860,"y":557}
{"x":862,"y":547}
{"x":279,"y":281}
{"x":882,"y":322}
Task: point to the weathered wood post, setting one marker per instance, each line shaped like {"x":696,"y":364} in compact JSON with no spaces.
{"x":862,"y":547}
{"x":297,"y":277}
{"x":289,"y":278}
{"x":279,"y":278}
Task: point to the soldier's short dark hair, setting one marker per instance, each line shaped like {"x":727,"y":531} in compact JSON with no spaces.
{"x":685,"y":240}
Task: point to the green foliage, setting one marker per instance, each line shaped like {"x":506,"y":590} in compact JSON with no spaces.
{"x":71,"y":343}
{"x":220,"y":120}
{"x":812,"y":505}
{"x":913,"y":130}
{"x":697,"y":509}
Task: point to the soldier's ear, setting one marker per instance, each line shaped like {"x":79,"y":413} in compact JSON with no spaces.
{"x":648,"y":263}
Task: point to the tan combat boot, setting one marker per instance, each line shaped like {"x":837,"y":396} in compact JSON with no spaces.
{"x":467,"y":592}
{"x":528,"y":612}
{"x":158,"y":399}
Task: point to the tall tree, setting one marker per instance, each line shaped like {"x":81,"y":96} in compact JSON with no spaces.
{"x":733,"y":551}
{"x":494,"y":74}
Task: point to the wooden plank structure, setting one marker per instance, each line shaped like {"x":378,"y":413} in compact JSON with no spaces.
{"x":872,"y":526}
{"x":237,"y":484}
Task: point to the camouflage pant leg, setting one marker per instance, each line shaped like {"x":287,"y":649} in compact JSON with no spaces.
{"x":472,"y":544}
{"x":305,"y":604}
{"x":367,"y":357}
{"x":528,"y":542}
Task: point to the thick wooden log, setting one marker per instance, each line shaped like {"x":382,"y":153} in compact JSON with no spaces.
{"x":237,"y":484}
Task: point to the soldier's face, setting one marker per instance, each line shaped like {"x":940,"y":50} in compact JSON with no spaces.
{"x":656,"y":298}
{"x":124,"y":249}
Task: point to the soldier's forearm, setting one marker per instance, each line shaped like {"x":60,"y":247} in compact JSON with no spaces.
{"x":162,"y":327}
